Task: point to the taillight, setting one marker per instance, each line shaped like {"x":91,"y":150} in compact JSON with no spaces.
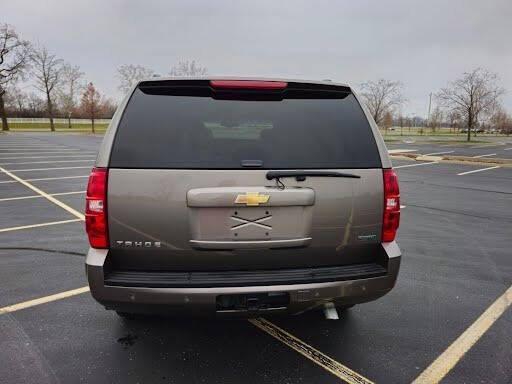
{"x":391,"y":217}
{"x":248,"y":84}
{"x":96,"y":208}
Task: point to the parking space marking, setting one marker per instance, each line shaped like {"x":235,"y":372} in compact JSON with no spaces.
{"x":436,"y":371}
{"x":438,"y":153}
{"x":47,"y":178}
{"x":36,"y":147}
{"x":45,"y":195}
{"x":35,"y":150}
{"x":489,"y":145}
{"x":50,"y":161}
{"x":49,"y":153}
{"x":477,"y":170}
{"x":393,"y":151}
{"x":39,"y":196}
{"x":324,"y":361}
{"x":47,"y":169}
{"x":38,"y":225}
{"x":43,"y":300}
{"x":489,"y":154}
{"x":416,"y":165}
{"x":507,"y":149}
{"x":43,"y":157}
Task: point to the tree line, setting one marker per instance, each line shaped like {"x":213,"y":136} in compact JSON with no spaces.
{"x":57,"y":88}
{"x":468,"y":103}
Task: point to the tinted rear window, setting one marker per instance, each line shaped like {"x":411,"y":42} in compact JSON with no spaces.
{"x":167,"y":129}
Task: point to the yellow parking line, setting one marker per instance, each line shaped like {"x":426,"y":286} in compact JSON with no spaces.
{"x":43,"y":300}
{"x":45,"y":195}
{"x":38,"y":225}
{"x":334,"y":367}
{"x":452,"y":355}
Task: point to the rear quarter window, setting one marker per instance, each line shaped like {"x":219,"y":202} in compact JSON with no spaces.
{"x":165,"y":130}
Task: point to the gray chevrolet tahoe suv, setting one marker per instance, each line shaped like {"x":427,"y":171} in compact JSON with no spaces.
{"x":246,"y":196}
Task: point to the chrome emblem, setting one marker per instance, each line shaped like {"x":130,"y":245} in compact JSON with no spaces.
{"x":252,"y":199}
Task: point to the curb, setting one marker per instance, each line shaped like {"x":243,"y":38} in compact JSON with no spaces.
{"x":453,"y":159}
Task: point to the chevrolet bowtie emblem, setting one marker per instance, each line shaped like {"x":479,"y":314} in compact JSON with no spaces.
{"x":252,"y":199}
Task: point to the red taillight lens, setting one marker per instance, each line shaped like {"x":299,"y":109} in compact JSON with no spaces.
{"x":248,"y":84}
{"x":96,"y":208}
{"x":391,"y":217}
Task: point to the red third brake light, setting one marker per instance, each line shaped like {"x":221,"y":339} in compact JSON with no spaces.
{"x":391,"y":216}
{"x":96,"y":208}
{"x":248,"y":84}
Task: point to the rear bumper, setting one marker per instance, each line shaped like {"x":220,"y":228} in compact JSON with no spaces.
{"x":203,"y":300}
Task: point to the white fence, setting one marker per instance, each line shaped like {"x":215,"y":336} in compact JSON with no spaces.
{"x":36,"y":120}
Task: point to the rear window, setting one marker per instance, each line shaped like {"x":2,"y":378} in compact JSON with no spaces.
{"x":197,"y":129}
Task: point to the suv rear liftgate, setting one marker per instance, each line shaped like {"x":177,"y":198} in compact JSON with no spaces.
{"x":241,"y":195}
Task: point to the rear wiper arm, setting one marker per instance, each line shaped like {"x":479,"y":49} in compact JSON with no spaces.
{"x":301,"y":175}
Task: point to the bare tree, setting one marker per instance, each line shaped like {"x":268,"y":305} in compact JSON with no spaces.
{"x":501,"y":121}
{"x":453,"y":118}
{"x":435,"y":119}
{"x":47,"y":74}
{"x":381,"y":97}
{"x":35,"y":105}
{"x":131,"y":74}
{"x":15,"y":100}
{"x":107,"y":108}
{"x":71,"y":76}
{"x":14,"y":53}
{"x":387,"y":121}
{"x":90,"y":103}
{"x":186,"y":68}
{"x":401,"y":122}
{"x":473,"y":95}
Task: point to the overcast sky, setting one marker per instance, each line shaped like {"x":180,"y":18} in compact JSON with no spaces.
{"x":423,"y":44}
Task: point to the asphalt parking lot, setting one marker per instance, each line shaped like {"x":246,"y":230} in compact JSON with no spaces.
{"x":493,"y":147}
{"x":456,"y":239}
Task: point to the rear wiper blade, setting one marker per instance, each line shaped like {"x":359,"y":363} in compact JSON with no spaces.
{"x":301,"y":175}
